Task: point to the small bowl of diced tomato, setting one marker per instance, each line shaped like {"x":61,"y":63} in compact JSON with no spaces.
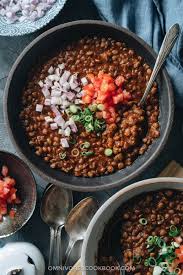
{"x":17,"y":194}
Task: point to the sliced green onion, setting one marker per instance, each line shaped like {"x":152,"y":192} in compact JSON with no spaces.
{"x":76,"y":117}
{"x":164,"y":265}
{"x":108,"y":152}
{"x":171,"y":258}
{"x":174,"y":244}
{"x":100,"y":107}
{"x":88,"y":118}
{"x":93,"y":107}
{"x":62,"y":155}
{"x":73,"y":108}
{"x":152,"y":261}
{"x":89,"y":127}
{"x":137,"y":259}
{"x":177,"y":270}
{"x":150,"y":249}
{"x":174,"y":231}
{"x":85,"y":145}
{"x":87,"y":153}
{"x":146,"y":262}
{"x":75,"y":152}
{"x":160,"y":242}
{"x":143,"y":221}
{"x":150,"y":240}
{"x":72,"y":141}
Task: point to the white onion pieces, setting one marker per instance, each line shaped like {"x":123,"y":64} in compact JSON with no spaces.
{"x":24,"y":10}
{"x":61,"y":89}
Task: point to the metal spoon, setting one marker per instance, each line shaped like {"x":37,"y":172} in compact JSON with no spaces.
{"x":166,"y":47}
{"x":55,"y":207}
{"x":78,"y":220}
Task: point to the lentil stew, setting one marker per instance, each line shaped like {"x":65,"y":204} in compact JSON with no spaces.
{"x":151,"y":234}
{"x":81,"y":132}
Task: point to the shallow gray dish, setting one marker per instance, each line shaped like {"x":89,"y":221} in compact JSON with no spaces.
{"x":45,"y":44}
{"x":26,"y":191}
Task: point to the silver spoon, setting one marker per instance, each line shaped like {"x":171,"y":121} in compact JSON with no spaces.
{"x":78,"y":220}
{"x":55,"y":207}
{"x":166,"y":47}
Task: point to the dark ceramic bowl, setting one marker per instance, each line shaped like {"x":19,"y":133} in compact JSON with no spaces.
{"x":26,"y":191}
{"x":42,"y":46}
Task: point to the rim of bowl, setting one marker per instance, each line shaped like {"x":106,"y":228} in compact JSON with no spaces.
{"x":120,"y":182}
{"x":111,"y":200}
{"x":26,"y":167}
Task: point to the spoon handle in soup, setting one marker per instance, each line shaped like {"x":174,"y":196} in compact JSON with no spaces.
{"x":166,"y":47}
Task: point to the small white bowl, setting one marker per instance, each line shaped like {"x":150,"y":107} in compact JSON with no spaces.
{"x":103,"y":215}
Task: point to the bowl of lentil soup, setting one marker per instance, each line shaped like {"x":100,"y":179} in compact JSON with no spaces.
{"x":147,"y":217}
{"x":76,"y":102}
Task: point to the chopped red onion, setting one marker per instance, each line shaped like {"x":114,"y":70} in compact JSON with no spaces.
{"x":64,"y":143}
{"x":70,"y":95}
{"x":67,"y":132}
{"x":51,"y":70}
{"x":41,"y":84}
{"x":84,"y":81}
{"x":61,"y":89}
{"x":64,"y":77}
{"x":60,"y":121}
{"x":45,"y":92}
{"x":66,"y":86}
{"x":61,"y":132}
{"x":54,"y":126}
{"x":24,"y":10}
{"x":61,"y":66}
{"x":47,"y":102}
{"x":55,"y":110}
{"x":77,"y":89}
{"x":56,"y":101}
{"x":57,"y":71}
{"x":48,"y":119}
{"x":73,"y":125}
{"x":55,"y":93}
{"x":39,"y":108}
{"x":53,"y":77}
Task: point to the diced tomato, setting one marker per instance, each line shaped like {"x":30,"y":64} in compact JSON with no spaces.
{"x":119,"y":80}
{"x":7,"y":194}
{"x":101,"y":74}
{"x":104,"y":87}
{"x":101,"y":98}
{"x":111,"y":120}
{"x":118,"y":98}
{"x":17,"y":201}
{"x":97,"y":83}
{"x":91,"y":77}
{"x":12,"y":213}
{"x":87,"y":99}
{"x":4,"y":171}
{"x":111,"y":87}
{"x":105,"y":114}
{"x":108,"y":78}
{"x":89,"y":87}
{"x":127,"y":95}
{"x":89,"y":92}
{"x":3,"y":207}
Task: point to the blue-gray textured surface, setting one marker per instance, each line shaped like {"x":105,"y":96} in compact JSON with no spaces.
{"x":150,"y":19}
{"x":36,"y":231}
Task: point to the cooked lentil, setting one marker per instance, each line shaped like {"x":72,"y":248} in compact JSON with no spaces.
{"x":131,"y":134}
{"x":163,"y":212}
